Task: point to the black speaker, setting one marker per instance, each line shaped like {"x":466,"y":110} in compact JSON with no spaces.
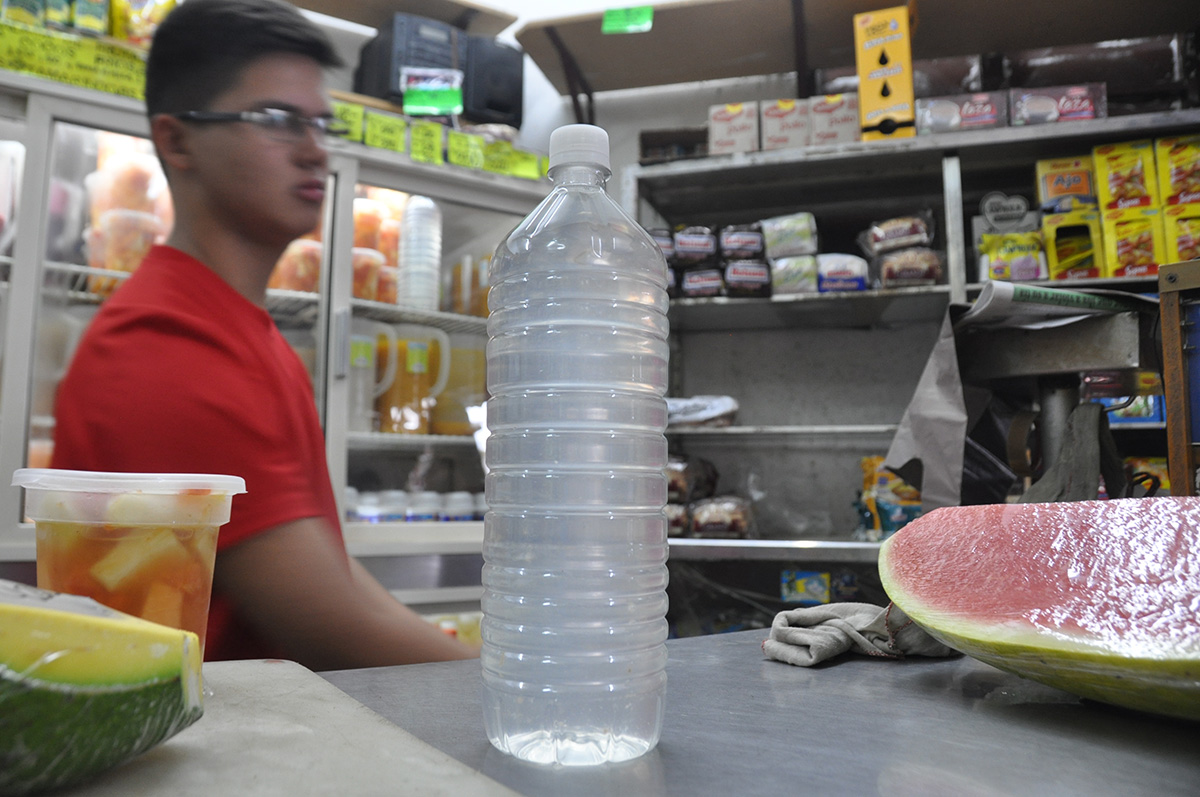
{"x":493,"y":88}
{"x":409,"y":41}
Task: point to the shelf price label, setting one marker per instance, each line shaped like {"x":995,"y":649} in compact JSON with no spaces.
{"x":385,"y":131}
{"x":497,"y":157}
{"x":501,"y":157}
{"x":627,"y":20}
{"x":352,"y":116}
{"x":465,"y":149}
{"x":74,"y":60}
{"x":526,"y":165}
{"x":426,"y":144}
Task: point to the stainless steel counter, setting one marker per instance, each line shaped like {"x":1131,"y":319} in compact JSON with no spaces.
{"x":740,"y":724}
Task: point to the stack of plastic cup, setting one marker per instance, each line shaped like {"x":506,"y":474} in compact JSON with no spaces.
{"x":420,"y":258}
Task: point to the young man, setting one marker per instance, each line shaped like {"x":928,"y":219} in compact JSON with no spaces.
{"x":183,"y":370}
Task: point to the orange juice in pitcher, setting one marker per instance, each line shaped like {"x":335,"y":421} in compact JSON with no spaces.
{"x":406,"y":405}
{"x":466,"y":385}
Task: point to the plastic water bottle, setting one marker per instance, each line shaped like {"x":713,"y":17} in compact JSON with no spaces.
{"x":419,"y":263}
{"x":575,"y":538}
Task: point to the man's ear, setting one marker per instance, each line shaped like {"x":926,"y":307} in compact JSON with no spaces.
{"x":171,"y":141}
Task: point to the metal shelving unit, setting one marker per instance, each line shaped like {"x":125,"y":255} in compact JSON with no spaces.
{"x":713,"y":550}
{"x":845,"y":185}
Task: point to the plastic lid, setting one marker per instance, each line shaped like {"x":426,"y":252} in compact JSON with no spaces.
{"x":87,"y":481}
{"x":579,"y":144}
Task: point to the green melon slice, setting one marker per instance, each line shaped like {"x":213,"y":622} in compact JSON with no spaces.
{"x":1098,"y":598}
{"x":84,"y":688}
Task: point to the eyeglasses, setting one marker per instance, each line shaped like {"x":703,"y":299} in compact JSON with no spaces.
{"x":286,"y":126}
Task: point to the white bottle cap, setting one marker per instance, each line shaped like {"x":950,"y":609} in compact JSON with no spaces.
{"x":579,"y":144}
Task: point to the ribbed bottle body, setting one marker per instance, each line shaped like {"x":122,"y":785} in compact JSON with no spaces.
{"x":575,"y":542}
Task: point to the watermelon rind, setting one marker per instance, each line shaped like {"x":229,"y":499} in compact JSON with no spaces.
{"x":53,"y":735}
{"x":1166,"y":686}
{"x":1157,"y":677}
{"x":84,"y":688}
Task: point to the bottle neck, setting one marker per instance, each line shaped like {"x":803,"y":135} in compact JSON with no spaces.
{"x":580,"y":174}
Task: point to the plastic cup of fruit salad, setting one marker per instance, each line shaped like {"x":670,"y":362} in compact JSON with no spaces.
{"x":141,"y":543}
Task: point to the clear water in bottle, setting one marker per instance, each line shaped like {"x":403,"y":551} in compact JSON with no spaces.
{"x":575,"y":539}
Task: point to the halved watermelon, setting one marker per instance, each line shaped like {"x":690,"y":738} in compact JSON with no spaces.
{"x":1099,"y":598}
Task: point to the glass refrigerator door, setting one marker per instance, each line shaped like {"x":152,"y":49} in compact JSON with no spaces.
{"x":12,"y":160}
{"x":417,"y":337}
{"x":107,"y":204}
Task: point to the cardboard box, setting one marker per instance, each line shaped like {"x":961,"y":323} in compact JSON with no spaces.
{"x":1074,"y":244}
{"x":1125,"y":175}
{"x":1134,"y":242}
{"x":833,"y":119}
{"x":1060,"y":180}
{"x":1134,"y":409}
{"x":1178,"y":161}
{"x":883,"y":60}
{"x":1181,"y":227}
{"x":1057,"y":104}
{"x":733,"y":128}
{"x":980,"y":111}
{"x":783,"y":124}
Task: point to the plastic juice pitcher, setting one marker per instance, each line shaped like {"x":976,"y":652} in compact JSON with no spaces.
{"x":406,"y":405}
{"x":365,"y":388}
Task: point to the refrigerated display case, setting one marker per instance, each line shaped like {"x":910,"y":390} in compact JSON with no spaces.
{"x":89,"y":170}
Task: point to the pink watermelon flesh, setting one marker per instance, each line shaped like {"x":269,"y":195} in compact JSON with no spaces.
{"x":1101,"y":598}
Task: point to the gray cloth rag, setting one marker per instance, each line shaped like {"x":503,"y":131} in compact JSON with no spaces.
{"x":807,"y":636}
{"x":1088,"y":453}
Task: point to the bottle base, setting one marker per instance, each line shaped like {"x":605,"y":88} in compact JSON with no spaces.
{"x":572,"y":749}
{"x":576,"y":731}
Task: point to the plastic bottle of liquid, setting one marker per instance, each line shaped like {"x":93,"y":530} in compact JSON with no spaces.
{"x":575,"y":539}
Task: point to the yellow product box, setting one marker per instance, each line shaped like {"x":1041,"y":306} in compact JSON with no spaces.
{"x":1060,"y":178}
{"x":1178,"y":162}
{"x":24,"y":12}
{"x":1134,"y":242}
{"x":58,"y":14}
{"x":883,"y":59}
{"x":1181,"y":225}
{"x":1125,"y":175}
{"x":1074,"y":244}
{"x":90,"y":16}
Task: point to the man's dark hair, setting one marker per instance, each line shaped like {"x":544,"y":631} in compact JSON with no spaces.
{"x":202,"y":46}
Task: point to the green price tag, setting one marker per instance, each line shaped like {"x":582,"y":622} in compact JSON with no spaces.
{"x":351,"y":115}
{"x":544,"y":165}
{"x":426,"y":145}
{"x":628,"y":20}
{"x":385,"y":131}
{"x":465,"y":149}
{"x":525,"y":164}
{"x":433,"y":101}
{"x":74,"y":60}
{"x":497,"y":157}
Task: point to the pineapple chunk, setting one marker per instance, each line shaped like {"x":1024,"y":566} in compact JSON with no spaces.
{"x":164,"y":605}
{"x":136,"y":554}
